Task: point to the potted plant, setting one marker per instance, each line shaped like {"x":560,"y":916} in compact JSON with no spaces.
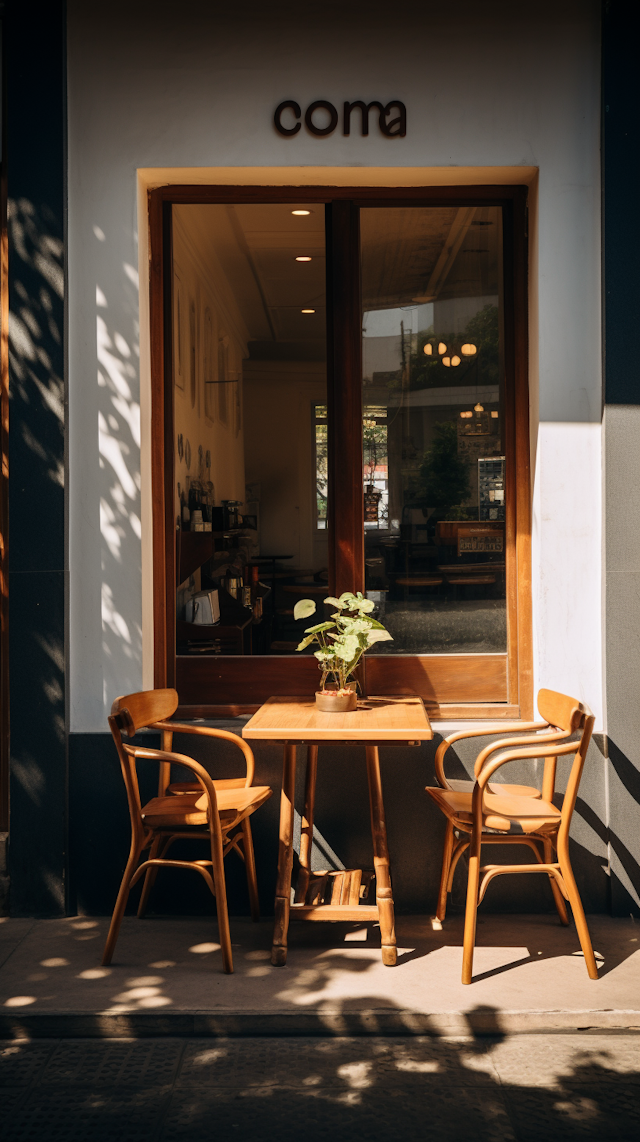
{"x":341,"y":643}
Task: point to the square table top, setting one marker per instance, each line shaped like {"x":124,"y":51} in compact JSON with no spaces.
{"x":379,"y":719}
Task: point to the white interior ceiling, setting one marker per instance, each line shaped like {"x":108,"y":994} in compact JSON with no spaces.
{"x":409,"y":255}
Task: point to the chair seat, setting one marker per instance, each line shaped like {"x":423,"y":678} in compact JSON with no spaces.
{"x":461,"y":786}
{"x":504,"y":813}
{"x":190,"y":808}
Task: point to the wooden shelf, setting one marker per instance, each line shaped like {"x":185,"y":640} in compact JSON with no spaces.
{"x":364,"y":912}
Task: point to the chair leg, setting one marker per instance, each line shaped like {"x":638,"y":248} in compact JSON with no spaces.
{"x":217,"y":861}
{"x":576,"y":907}
{"x":471,"y":911}
{"x":250,"y":865}
{"x":555,"y":888}
{"x":121,"y":904}
{"x":149,"y":877}
{"x":444,"y":876}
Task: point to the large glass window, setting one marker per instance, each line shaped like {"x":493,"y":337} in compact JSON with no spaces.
{"x":249,"y":352}
{"x":433,"y":427}
{"x":349,"y":410}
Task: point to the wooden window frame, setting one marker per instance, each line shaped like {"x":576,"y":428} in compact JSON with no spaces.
{"x":237,"y":684}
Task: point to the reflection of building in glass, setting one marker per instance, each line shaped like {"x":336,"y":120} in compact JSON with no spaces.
{"x":491,"y":488}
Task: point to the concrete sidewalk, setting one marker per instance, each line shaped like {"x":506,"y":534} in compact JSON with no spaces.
{"x":518,"y":1088}
{"x":166,"y":979}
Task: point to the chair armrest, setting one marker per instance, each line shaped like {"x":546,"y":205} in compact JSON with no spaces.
{"x":477,"y":732}
{"x":163,"y":755}
{"x":515,"y":755}
{"x":210,"y":732}
{"x":535,"y":739}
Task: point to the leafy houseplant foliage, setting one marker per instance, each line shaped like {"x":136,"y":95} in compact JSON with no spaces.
{"x":444,"y":475}
{"x":344,"y":639}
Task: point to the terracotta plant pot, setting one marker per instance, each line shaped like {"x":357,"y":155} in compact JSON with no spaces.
{"x":331,"y":702}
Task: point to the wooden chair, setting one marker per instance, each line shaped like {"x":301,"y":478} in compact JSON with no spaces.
{"x":484,"y":812}
{"x":217,"y":811}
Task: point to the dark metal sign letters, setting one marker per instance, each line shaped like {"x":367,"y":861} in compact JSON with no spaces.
{"x":392,"y":128}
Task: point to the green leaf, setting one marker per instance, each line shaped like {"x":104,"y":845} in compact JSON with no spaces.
{"x":319,"y":627}
{"x":356,"y":626}
{"x":325,"y":655}
{"x":365,"y":605}
{"x":306,"y":642}
{"x":347,"y":648}
{"x":379,"y":636}
{"x":331,"y":602}
{"x":303,"y":609}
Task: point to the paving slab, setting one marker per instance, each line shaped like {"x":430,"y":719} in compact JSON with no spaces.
{"x":166,"y":979}
{"x":581,"y":1088}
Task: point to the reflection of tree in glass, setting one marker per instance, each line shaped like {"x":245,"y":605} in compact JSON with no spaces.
{"x":427,"y":372}
{"x":443,"y":479}
{"x":322,"y":471}
{"x":374,"y":442}
{"x":483,"y":331}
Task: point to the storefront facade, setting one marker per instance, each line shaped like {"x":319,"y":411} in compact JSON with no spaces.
{"x":478,"y":169}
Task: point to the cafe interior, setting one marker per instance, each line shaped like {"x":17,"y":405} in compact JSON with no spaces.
{"x":250,"y":423}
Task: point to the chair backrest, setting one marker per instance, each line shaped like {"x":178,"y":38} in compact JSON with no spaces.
{"x":135,"y":711}
{"x":130,"y":713}
{"x":569,"y":715}
{"x":560,"y":710}
{"x":586,"y":724}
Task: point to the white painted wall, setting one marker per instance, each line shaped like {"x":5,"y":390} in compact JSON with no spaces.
{"x":158,"y":86}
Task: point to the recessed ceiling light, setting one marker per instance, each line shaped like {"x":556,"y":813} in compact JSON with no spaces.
{"x":301,"y":212}
{"x":307,"y":311}
{"x":303,"y":259}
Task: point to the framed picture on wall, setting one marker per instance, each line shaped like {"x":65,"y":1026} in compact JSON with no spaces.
{"x":179,"y":339}
{"x":193,"y":354}
{"x":208,"y":364}
{"x":223,"y":374}
{"x":237,"y":389}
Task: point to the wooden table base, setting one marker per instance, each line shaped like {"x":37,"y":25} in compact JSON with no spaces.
{"x":284,"y":910}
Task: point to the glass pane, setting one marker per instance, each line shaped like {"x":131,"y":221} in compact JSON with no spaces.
{"x":249,"y":348}
{"x":321,"y":465}
{"x":433,"y":413}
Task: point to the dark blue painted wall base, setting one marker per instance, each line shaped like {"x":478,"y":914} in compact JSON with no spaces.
{"x":99,"y":827}
{"x":34,"y":34}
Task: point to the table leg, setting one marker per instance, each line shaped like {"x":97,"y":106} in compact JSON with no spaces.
{"x":285,"y":858}
{"x":306,"y":834}
{"x":384,"y":895}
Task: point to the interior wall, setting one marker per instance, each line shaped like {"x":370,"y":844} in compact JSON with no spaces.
{"x":196,"y":90}
{"x":207,"y":413}
{"x":279,"y":450}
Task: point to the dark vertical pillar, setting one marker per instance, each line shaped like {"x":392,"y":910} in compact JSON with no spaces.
{"x":35,"y":36}
{"x":344,"y":398}
{"x":621,"y":178}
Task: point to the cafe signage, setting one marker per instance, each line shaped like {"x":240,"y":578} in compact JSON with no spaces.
{"x":321,"y":117}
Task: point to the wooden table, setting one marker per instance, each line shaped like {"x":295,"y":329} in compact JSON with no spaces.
{"x":295,"y":721}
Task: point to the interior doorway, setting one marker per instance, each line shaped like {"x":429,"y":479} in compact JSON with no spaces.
{"x":340,"y":402}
